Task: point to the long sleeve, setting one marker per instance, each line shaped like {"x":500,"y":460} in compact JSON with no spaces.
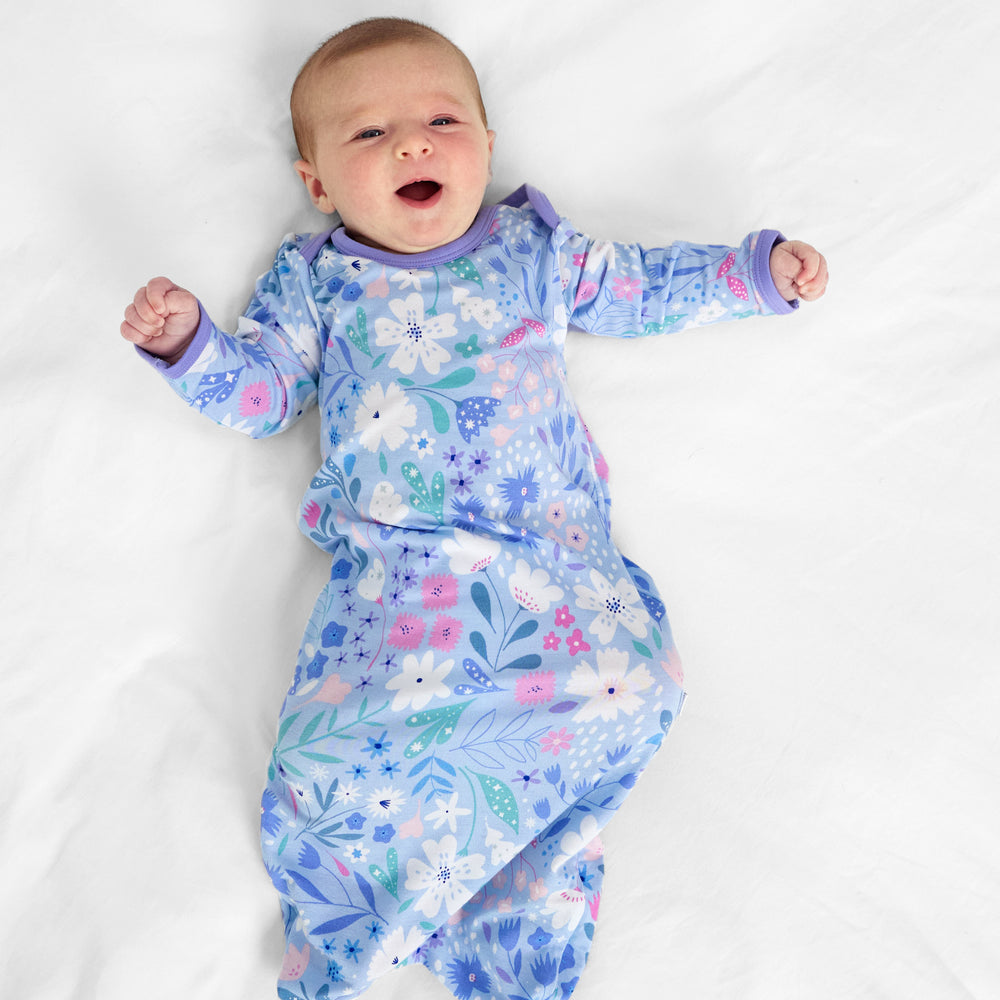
{"x":624,"y":290}
{"x":262,"y":379}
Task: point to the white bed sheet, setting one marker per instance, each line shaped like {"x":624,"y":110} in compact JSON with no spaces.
{"x":815,"y":495}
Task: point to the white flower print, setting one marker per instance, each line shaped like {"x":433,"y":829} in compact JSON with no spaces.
{"x":419,"y":682}
{"x":423,"y":444}
{"x":384,"y":415}
{"x":385,"y":802}
{"x":531,"y":588}
{"x":409,"y":279}
{"x":469,"y":552}
{"x":416,"y":334}
{"x":483,"y":311}
{"x":441,"y":876}
{"x":447,"y":812}
{"x":618,"y":605}
{"x":370,"y":586}
{"x":610,"y":689}
{"x":387,"y":505}
{"x":503,"y":850}
{"x":565,"y":907}
{"x":396,"y":948}
{"x":574,"y":843}
{"x":348,"y":793}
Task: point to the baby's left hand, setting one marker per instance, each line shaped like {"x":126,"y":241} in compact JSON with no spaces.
{"x":798,"y":271}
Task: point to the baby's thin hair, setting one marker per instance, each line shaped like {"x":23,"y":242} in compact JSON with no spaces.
{"x":372,"y":33}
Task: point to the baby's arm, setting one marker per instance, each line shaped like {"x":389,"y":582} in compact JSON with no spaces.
{"x":162,"y":319}
{"x":798,"y":270}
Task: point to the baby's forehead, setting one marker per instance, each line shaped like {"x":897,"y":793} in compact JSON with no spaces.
{"x":348,"y":85}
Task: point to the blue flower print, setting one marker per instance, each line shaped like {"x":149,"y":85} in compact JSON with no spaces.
{"x":544,"y":970}
{"x":270,"y":821}
{"x":539,"y":938}
{"x":380,"y":746}
{"x":383,"y":834}
{"x":467,"y":975}
{"x":355,"y":821}
{"x":333,"y":634}
{"x":316,"y":665}
{"x":520,"y":490}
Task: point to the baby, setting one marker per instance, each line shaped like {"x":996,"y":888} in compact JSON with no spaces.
{"x":485,"y":676}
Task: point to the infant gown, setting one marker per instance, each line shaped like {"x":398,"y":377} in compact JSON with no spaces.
{"x":485,"y":676}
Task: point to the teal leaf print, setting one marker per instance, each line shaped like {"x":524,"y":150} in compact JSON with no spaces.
{"x":427,"y":501}
{"x":481,"y":598}
{"x":359,"y":337}
{"x":500,"y":799}
{"x":437,"y":724}
{"x":455,"y":380}
{"x":465,"y":269}
{"x":389,"y":880}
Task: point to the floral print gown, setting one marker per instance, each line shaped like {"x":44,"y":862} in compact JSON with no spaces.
{"x":485,"y":676}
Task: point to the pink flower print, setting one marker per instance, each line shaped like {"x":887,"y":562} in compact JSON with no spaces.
{"x":379,"y":288}
{"x":601,"y":465}
{"x":295,"y":964}
{"x":445,"y":633}
{"x":521,"y":880}
{"x":626,"y":288}
{"x":556,"y":514}
{"x":333,"y":691}
{"x":535,"y":688}
{"x":576,"y":644}
{"x":255,"y":399}
{"x":407,"y":631}
{"x":585,"y":292}
{"x":439,"y":591}
{"x":498,"y":390}
{"x":507,"y":371}
{"x":551,"y":641}
{"x":576,"y":537}
{"x":563,"y":618}
{"x":311,"y":513}
{"x":486,"y":364}
{"x":530,"y":382}
{"x":555,"y":742}
{"x":534,"y":405}
{"x":537,"y":889}
{"x":579,"y":259}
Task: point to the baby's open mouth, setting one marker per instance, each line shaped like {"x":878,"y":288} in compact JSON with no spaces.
{"x":419,"y":190}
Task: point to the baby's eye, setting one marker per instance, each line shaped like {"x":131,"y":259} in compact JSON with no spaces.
{"x":443,"y":120}
{"x":370,"y":133}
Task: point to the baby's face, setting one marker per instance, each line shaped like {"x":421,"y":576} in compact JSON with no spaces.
{"x":400,"y":149}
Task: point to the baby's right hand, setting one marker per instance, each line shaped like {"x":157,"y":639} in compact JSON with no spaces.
{"x":162,"y":319}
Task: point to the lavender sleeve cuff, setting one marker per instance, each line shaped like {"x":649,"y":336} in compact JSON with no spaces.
{"x":188,"y":358}
{"x":760,"y":269}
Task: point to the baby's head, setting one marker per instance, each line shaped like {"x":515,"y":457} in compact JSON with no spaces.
{"x":392,"y":133}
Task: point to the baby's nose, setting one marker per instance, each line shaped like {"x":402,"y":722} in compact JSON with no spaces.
{"x":414,"y":142}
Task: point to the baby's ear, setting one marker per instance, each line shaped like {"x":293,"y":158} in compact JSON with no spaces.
{"x":317,"y":193}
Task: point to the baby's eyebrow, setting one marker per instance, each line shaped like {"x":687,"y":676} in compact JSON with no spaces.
{"x":364,"y":112}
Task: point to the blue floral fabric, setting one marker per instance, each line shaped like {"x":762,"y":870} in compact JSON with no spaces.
{"x":485,"y":676}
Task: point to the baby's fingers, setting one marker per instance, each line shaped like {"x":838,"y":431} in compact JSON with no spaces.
{"x":812,"y":280}
{"x":142,"y":322}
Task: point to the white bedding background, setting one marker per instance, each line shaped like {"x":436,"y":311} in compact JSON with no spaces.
{"x":816,"y":495}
